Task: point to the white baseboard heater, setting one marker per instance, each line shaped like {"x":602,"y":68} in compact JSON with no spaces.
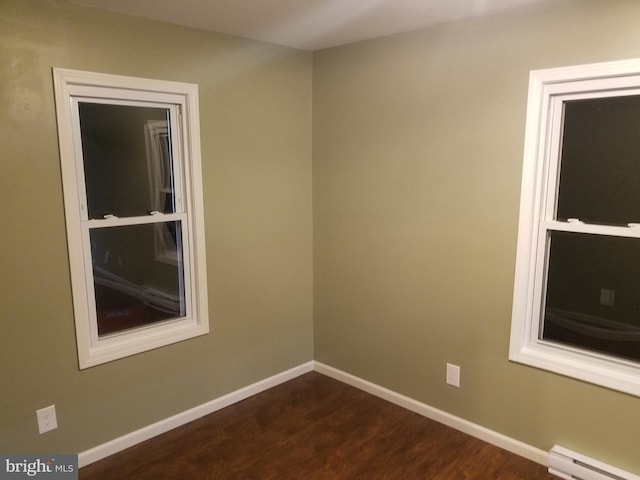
{"x":573,"y":466}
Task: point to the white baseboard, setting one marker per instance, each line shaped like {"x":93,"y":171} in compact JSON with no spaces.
{"x":507,"y":443}
{"x":150,"y":431}
{"x":114,"y":446}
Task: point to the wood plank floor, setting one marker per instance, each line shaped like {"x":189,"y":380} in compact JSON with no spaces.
{"x":314,"y":427}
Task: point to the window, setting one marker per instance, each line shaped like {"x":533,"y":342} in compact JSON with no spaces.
{"x":130,"y":157}
{"x":576,"y":308}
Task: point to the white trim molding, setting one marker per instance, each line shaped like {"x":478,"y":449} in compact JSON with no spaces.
{"x":507,"y":443}
{"x":121,"y":443}
{"x":129,"y":440}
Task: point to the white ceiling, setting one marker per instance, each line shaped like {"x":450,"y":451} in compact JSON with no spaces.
{"x":307,"y":24}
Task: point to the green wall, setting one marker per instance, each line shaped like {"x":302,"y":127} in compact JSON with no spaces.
{"x":404,"y":262}
{"x":255,"y":114}
{"x":418,"y":147}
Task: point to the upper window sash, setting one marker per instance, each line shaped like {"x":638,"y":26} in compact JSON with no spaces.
{"x":551,"y":145}
{"x":176,"y":149}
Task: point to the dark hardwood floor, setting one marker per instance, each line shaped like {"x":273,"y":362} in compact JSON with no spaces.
{"x":314,"y":427}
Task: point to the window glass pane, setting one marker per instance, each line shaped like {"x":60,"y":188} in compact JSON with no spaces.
{"x":592,"y":297}
{"x":600,"y":171}
{"x":134,"y":285}
{"x":127,"y":159}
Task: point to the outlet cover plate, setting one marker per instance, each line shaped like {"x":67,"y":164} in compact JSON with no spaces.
{"x":453,"y":375}
{"x":47,"y":420}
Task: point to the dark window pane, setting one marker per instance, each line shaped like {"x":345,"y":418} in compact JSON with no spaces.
{"x":592,"y":293}
{"x":600,"y":164}
{"x":127,"y":159}
{"x":134,"y":285}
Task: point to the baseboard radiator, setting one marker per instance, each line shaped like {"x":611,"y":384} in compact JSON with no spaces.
{"x":573,"y":466}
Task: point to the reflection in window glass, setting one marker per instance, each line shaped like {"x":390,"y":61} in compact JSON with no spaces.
{"x":133,"y":287}
{"x":600,"y":171}
{"x":127,"y":159}
{"x":592,"y":297}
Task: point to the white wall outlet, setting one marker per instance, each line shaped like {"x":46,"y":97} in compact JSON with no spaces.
{"x":453,"y":375}
{"x":47,"y":419}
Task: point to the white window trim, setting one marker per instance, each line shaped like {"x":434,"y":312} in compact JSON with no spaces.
{"x":70,"y":84}
{"x":547,"y":89}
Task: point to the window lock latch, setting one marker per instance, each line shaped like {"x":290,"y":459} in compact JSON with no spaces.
{"x":574,"y":220}
{"x":633,"y":225}
{"x":109,"y":216}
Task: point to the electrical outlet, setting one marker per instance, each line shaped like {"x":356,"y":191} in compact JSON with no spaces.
{"x":47,"y":419}
{"x":453,"y":375}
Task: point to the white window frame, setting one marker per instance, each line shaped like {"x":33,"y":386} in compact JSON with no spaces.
{"x":548,"y":89}
{"x":181,"y":99}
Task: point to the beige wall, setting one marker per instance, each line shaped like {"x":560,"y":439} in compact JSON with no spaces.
{"x":418,"y":144}
{"x":255,"y":110}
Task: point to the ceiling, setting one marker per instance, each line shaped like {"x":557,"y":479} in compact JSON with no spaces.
{"x":308,"y":24}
